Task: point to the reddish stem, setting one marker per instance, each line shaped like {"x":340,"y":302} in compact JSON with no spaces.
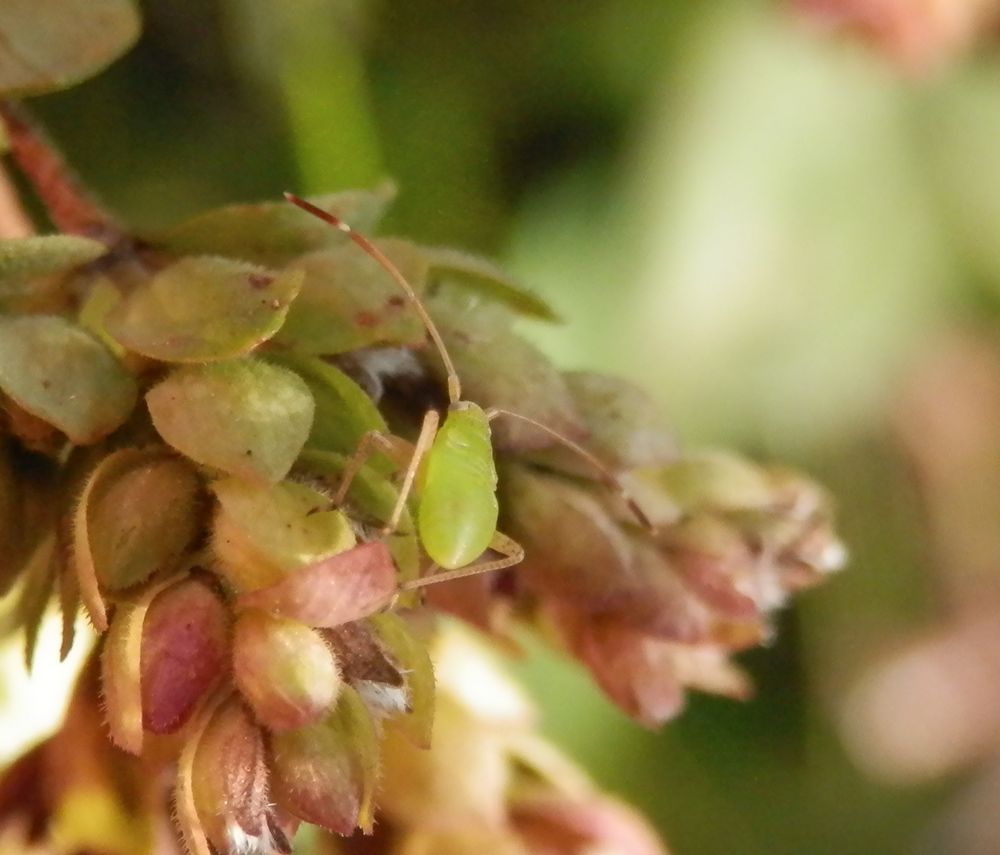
{"x":69,"y":206}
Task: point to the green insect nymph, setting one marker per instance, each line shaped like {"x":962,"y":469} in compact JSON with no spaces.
{"x":457,"y":515}
{"x":451,"y":463}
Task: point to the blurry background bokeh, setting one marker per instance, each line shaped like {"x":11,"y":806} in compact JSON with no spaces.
{"x":789,"y":235}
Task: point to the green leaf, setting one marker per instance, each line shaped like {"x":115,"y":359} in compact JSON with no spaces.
{"x":50,"y":44}
{"x":202,"y":309}
{"x":245,"y":417}
{"x":348,"y":301}
{"x":273,"y":233}
{"x":61,"y":374}
{"x":485,"y":277}
{"x":344,"y":413}
{"x":23,"y":259}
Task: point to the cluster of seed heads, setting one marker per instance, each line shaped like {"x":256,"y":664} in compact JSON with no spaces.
{"x":231,"y":443}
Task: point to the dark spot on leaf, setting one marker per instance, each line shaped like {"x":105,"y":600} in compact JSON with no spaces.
{"x":46,"y":384}
{"x":396,"y":301}
{"x":259,"y":280}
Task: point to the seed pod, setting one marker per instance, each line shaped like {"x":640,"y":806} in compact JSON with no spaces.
{"x":229,"y":778}
{"x":261,"y":532}
{"x":325,"y":773}
{"x":284,"y":670}
{"x":137,"y":515}
{"x":121,"y":665}
{"x":370,"y":668}
{"x":345,"y":587}
{"x":185,"y":648}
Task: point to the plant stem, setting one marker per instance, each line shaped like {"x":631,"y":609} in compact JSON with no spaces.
{"x":70,"y":207}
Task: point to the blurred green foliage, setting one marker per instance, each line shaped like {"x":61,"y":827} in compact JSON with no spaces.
{"x":761,"y":224}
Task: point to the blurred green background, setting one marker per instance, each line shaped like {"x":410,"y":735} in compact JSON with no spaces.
{"x":762,"y":224}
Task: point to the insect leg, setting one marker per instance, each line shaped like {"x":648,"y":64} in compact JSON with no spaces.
{"x":608,"y":477}
{"x":510,"y":549}
{"x":427,"y":432}
{"x":395,"y":449}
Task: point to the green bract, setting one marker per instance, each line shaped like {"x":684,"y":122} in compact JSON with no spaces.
{"x":64,"y":376}
{"x":244,"y":417}
{"x":202,"y":309}
{"x":344,"y":413}
{"x":482,"y":275}
{"x":414,"y":661}
{"x":23,"y":259}
{"x":50,"y":44}
{"x":273,"y":233}
{"x":348,"y":301}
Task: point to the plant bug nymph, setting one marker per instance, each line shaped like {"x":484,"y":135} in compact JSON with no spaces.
{"x":458,"y":511}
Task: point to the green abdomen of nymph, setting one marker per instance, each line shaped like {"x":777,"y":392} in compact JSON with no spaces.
{"x":458,"y":510}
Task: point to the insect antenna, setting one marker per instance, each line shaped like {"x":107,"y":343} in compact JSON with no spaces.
{"x":454,"y":384}
{"x":608,"y":478}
